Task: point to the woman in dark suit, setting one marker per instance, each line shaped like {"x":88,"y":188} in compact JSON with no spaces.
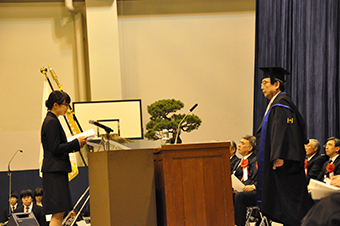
{"x":56,"y":164}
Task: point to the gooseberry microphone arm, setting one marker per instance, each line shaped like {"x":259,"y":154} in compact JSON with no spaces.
{"x":179,"y":124}
{"x":10,"y":179}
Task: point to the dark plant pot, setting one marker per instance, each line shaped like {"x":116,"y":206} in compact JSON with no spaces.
{"x":172,"y":140}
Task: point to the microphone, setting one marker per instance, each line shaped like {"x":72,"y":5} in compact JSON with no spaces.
{"x":191,"y":109}
{"x":9,"y":163}
{"x":107,"y":129}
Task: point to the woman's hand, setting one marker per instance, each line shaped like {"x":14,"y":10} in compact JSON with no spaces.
{"x":82,"y":141}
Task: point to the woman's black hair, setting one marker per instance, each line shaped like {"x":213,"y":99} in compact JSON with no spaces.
{"x":58,"y":97}
{"x":38,"y":192}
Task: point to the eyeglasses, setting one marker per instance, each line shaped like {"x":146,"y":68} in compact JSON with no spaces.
{"x":67,"y":105}
{"x":328,"y":145}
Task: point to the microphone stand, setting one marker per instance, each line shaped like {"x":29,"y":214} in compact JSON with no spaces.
{"x":9,"y":190}
{"x":107,"y":143}
{"x":178,"y":129}
{"x":9,"y":173}
{"x":108,"y":140}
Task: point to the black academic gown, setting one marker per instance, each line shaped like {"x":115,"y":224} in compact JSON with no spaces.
{"x":284,"y":190}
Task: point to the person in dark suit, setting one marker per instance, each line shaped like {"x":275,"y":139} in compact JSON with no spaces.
{"x":38,"y":194}
{"x":7,"y":212}
{"x":28,"y":206}
{"x":326,"y":211}
{"x":281,"y":186}
{"x":332,"y":167}
{"x":245,"y":169}
{"x":56,"y":164}
{"x":314,"y":161}
{"x":247,"y":197}
{"x":233,"y":157}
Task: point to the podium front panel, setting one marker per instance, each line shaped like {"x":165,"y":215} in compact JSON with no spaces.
{"x":122,"y":188}
{"x":193,"y":185}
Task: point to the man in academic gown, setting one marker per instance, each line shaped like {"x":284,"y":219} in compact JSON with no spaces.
{"x":282,"y":188}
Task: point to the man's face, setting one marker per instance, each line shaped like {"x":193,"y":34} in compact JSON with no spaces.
{"x":244,"y":148}
{"x":331,"y":150}
{"x":269,"y":90}
{"x":13,"y":201}
{"x":310,"y":149}
{"x":26,"y":200}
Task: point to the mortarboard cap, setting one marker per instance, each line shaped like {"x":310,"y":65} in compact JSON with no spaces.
{"x":274,"y":72}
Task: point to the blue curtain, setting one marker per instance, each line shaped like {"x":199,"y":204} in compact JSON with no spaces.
{"x":303,"y":37}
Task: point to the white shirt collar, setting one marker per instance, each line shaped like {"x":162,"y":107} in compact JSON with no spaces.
{"x":309,"y":158}
{"x":29,"y":207}
{"x":272,"y":100}
{"x":245,"y":157}
{"x":333,"y":159}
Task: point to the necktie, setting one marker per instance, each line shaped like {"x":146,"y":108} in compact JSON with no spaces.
{"x":26,"y":209}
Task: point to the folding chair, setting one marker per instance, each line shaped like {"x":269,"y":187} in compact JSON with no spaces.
{"x":254,"y":215}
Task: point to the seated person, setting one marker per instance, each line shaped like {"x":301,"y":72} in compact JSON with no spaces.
{"x":332,"y":167}
{"x":27,"y":206}
{"x":314,"y":161}
{"x":326,"y":212}
{"x":246,"y":171}
{"x":38,"y":194}
{"x":13,"y":201}
{"x":233,"y":157}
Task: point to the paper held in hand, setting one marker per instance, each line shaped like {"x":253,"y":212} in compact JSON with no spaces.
{"x":90,"y":134}
{"x":236,"y":183}
{"x":320,"y":189}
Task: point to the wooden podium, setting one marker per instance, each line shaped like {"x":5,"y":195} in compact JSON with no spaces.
{"x":193,"y":185}
{"x":122,"y":188}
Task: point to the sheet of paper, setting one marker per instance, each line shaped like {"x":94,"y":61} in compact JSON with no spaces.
{"x":236,"y":183}
{"x":90,"y":134}
{"x":320,"y":190}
